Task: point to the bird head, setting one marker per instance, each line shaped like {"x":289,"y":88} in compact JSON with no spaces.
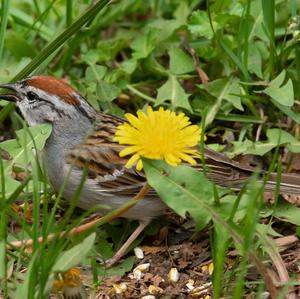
{"x":46,"y":99}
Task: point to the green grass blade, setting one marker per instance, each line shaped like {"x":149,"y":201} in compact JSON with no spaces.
{"x":3,"y":231}
{"x":221,"y":241}
{"x":268,"y":7}
{"x":3,"y":24}
{"x":69,"y":12}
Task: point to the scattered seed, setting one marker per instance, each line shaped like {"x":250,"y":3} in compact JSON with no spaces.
{"x":142,"y":267}
{"x":137,"y":274}
{"x":190,"y":284}
{"x":210,"y":268}
{"x":131,"y":276}
{"x":139,"y":253}
{"x":152,"y":289}
{"x":139,"y":270}
{"x":173,"y":275}
{"x":119,"y":288}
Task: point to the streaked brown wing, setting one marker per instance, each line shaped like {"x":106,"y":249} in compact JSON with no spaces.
{"x":101,"y":155}
{"x":224,"y":171}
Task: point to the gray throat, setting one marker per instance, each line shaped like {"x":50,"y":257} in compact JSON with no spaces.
{"x":63,"y":138}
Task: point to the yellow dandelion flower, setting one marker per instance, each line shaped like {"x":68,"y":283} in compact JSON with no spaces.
{"x":159,"y":135}
{"x":70,"y":284}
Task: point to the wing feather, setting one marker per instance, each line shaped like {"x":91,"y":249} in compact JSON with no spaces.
{"x":100,"y":153}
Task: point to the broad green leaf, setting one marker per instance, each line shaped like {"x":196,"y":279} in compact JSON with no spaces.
{"x":129,"y":65}
{"x":260,"y":148}
{"x":20,"y":151}
{"x":227,"y":203}
{"x":294,"y":147}
{"x":266,"y":229}
{"x":180,"y":62}
{"x":144,"y":44}
{"x":8,"y":69}
{"x":104,"y":248}
{"x":182,"y":188}
{"x":237,"y":9}
{"x":173,"y":91}
{"x":91,"y":57}
{"x":287,"y":212}
{"x":152,"y":65}
{"x":199,"y":24}
{"x":249,"y":147}
{"x":119,"y":269}
{"x":275,"y":137}
{"x":19,"y":46}
{"x":95,"y":73}
{"x":108,"y":49}
{"x":223,"y":89}
{"x":255,"y":60}
{"x":39,"y":133}
{"x":287,"y":110}
{"x":278,"y":136}
{"x":25,"y":144}
{"x":166,"y":28}
{"x":284,"y":95}
{"x":10,"y":185}
{"x":278,"y":81}
{"x":258,"y":29}
{"x":227,"y":90}
{"x":75,"y":255}
{"x":182,"y":12}
{"x":107,"y":92}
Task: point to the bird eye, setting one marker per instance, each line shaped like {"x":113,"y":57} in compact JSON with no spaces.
{"x":32,"y":97}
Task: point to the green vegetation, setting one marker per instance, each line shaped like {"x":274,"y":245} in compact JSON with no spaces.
{"x":232,"y":66}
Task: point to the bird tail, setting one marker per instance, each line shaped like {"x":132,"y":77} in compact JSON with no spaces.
{"x":288,"y":183}
{"x":229,"y":173}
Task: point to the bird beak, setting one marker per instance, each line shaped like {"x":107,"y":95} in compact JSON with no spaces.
{"x":11,"y":97}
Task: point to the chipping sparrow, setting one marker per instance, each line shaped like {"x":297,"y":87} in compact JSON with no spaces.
{"x":80,"y":135}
